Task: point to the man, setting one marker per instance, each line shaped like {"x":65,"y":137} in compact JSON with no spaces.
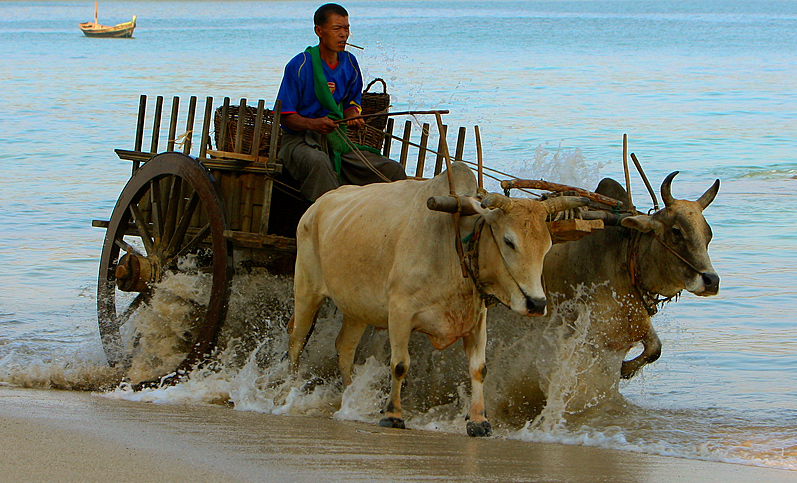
{"x":321,"y":85}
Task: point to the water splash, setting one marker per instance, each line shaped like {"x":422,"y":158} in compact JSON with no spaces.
{"x":566,"y":166}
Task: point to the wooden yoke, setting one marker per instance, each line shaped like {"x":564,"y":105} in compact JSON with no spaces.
{"x":549,"y":186}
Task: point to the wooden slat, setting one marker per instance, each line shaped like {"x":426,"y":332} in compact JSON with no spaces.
{"x":275,"y":131}
{"x":215,"y":163}
{"x":259,"y":240}
{"x":460,"y":143}
{"x":224,"y":165}
{"x":573,"y":229}
{"x":246,"y":214}
{"x":156,"y":124}
{"x":438,"y":162}
{"x":268,"y":187}
{"x":225,"y":110}
{"x":206,"y":122}
{"x":265,"y":213}
{"x":422,"y":151}
{"x":261,"y":107}
{"x":189,"y":126}
{"x":248,"y":158}
{"x":142,"y":113}
{"x":173,"y":123}
{"x":233,"y":199}
{"x":405,"y":147}
{"x":135,"y":156}
{"x":388,"y":138}
{"x":239,"y":131}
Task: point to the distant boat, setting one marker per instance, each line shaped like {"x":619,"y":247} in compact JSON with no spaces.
{"x":94,"y":29}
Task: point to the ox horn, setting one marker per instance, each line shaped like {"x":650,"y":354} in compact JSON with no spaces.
{"x":562,"y":203}
{"x":709,"y":195}
{"x":495,"y":200}
{"x":666,"y":189}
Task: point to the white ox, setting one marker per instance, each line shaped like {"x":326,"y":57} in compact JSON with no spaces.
{"x":388,"y":261}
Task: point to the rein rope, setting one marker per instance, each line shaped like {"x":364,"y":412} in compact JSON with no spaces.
{"x":358,"y":152}
{"x":668,"y":247}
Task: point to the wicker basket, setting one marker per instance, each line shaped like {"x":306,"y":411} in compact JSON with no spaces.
{"x":228,"y":143}
{"x":372,"y":102}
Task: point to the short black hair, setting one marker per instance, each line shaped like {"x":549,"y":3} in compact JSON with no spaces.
{"x":324,"y":11}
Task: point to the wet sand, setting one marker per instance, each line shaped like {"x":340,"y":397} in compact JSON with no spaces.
{"x":48,"y":435}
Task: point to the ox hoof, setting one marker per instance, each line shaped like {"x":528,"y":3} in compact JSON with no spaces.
{"x":627,"y":371}
{"x":392,"y":422}
{"x":480,"y":429}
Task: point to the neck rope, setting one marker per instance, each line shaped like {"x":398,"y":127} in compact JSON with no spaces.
{"x":471,"y":262}
{"x":651,"y":300}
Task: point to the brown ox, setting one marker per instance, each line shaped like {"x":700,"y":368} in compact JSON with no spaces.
{"x":386,"y":260}
{"x":648,"y":259}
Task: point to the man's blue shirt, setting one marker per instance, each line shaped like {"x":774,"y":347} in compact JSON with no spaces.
{"x":297,"y":91}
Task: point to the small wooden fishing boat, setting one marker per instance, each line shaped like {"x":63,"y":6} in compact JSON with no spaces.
{"x":95,"y":29}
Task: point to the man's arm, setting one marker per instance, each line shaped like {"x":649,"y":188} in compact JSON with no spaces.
{"x":297,"y":122}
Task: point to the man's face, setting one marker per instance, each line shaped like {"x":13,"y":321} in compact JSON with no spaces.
{"x":334,"y":33}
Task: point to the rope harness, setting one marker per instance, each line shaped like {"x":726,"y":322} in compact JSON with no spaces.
{"x":650,"y":299}
{"x":471,"y":262}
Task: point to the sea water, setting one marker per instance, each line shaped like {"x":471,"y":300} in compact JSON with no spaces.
{"x":702,"y":87}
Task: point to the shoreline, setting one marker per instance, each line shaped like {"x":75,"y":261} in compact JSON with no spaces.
{"x":52,"y":435}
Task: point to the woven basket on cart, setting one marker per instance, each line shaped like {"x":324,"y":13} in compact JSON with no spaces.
{"x":372,"y":102}
{"x":228,"y":144}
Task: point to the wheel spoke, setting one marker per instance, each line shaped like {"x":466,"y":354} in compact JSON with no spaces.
{"x":127,"y":247}
{"x":172,"y":207}
{"x":182,"y":227}
{"x":157,"y":215}
{"x":143,"y":231}
{"x":131,"y":309}
{"x":195,"y":241}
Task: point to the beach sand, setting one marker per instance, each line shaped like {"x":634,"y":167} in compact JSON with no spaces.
{"x":49,"y":435}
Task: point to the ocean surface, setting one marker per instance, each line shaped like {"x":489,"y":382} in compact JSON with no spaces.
{"x":703,"y":87}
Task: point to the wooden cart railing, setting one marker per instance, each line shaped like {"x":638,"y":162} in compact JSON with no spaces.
{"x":262,"y":203}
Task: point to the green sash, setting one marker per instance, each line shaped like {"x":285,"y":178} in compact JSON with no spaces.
{"x":336,"y":140}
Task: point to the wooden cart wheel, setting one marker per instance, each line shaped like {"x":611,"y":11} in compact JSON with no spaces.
{"x":169,"y":208}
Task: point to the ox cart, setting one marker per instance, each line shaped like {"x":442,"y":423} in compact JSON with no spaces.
{"x":232,"y":206}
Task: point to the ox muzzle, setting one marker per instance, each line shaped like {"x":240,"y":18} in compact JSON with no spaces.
{"x":536,"y":305}
{"x":711,"y":283}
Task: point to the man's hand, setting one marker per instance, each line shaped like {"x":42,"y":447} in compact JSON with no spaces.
{"x":323,"y":125}
{"x":354,"y":123}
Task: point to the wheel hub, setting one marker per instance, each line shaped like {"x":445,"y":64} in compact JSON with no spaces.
{"x":134,"y":273}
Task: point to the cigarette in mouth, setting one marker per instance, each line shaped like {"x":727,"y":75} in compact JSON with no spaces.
{"x":355,"y":46}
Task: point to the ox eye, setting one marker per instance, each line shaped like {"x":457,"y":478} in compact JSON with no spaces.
{"x":677,"y":232}
{"x":509,"y":243}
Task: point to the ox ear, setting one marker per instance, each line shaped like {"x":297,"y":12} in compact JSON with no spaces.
{"x":474,"y":206}
{"x":643,"y":223}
